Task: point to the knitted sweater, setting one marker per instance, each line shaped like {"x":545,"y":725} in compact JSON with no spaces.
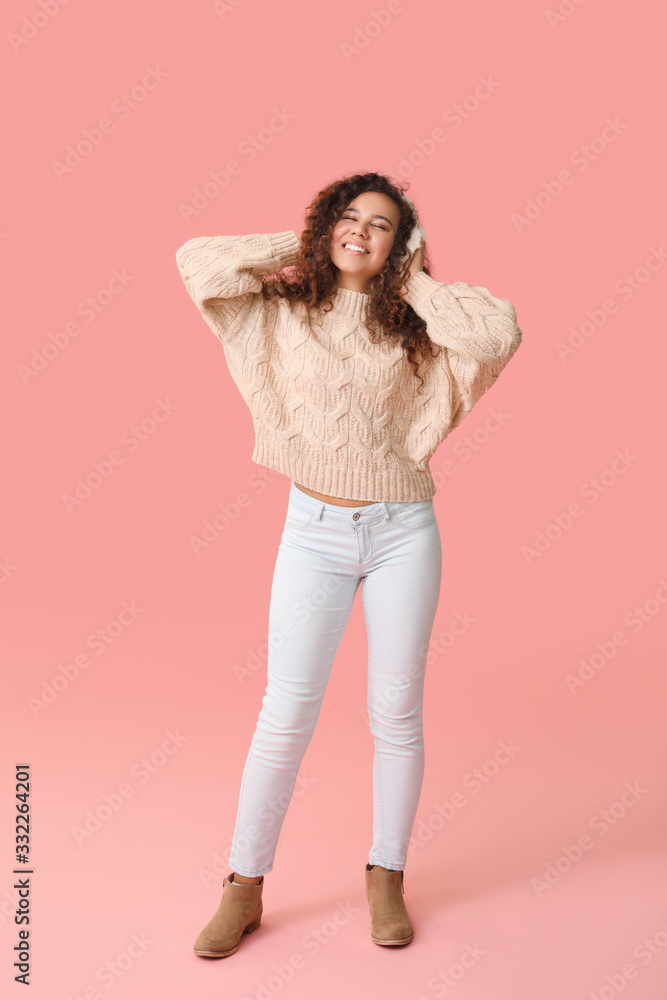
{"x":331,"y":409}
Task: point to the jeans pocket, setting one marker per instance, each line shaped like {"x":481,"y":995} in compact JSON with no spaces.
{"x":413,"y":515}
{"x":298,"y":518}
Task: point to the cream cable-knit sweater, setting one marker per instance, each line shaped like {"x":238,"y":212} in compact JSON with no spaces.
{"x":332,"y":410}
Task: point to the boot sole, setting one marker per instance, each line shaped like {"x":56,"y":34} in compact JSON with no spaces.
{"x":224,"y":954}
{"x":395,"y":942}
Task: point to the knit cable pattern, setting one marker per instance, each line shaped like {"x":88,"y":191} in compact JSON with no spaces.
{"x":331,"y":409}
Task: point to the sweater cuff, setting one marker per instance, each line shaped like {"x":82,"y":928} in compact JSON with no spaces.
{"x":420,"y":286}
{"x":284,"y":247}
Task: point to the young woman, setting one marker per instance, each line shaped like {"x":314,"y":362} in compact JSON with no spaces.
{"x":354,"y":368}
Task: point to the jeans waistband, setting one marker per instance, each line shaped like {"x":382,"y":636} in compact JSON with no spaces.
{"x":366,"y":513}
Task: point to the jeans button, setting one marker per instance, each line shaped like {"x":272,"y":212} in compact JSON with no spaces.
{"x":356,"y":516}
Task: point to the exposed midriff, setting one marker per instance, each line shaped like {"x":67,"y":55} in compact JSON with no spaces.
{"x":336,"y":500}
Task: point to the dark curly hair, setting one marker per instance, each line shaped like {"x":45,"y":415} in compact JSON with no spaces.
{"x":314,"y":281}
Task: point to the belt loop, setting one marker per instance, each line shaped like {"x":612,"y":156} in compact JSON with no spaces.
{"x":318,"y":516}
{"x":387,"y":515}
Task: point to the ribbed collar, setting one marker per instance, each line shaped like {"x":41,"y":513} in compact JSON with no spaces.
{"x":352,"y":305}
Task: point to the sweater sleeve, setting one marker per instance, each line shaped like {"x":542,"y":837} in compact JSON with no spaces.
{"x":223,"y":273}
{"x":478,"y":331}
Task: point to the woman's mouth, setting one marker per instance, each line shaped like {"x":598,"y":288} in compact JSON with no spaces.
{"x":353,"y":248}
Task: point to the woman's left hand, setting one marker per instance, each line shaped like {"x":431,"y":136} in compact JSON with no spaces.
{"x":417,"y":262}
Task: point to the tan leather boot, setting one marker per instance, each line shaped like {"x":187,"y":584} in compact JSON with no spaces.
{"x":390,"y":923}
{"x":239,"y":913}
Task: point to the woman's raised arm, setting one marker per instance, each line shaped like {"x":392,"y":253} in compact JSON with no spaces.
{"x":223,"y":273}
{"x":478,"y":330}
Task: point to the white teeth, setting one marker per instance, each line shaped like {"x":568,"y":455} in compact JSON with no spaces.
{"x":351,"y":246}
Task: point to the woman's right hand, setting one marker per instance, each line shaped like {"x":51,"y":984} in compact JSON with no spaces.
{"x":417,"y":262}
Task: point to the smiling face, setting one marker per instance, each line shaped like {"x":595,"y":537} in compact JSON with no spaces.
{"x":370,"y":221}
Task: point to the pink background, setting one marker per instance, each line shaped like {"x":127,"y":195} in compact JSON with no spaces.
{"x":362,"y":97}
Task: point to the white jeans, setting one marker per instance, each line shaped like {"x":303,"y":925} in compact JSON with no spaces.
{"x":326,"y":551}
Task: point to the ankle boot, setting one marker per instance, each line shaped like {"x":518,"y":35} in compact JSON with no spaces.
{"x":239,"y":913}
{"x":390,"y":923}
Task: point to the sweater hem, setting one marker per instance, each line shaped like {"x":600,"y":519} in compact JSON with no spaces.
{"x":392,"y":483}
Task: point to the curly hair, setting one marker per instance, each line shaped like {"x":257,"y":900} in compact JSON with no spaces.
{"x":314,"y":281}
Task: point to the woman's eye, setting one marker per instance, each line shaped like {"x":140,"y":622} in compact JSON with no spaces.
{"x":376,"y":224}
